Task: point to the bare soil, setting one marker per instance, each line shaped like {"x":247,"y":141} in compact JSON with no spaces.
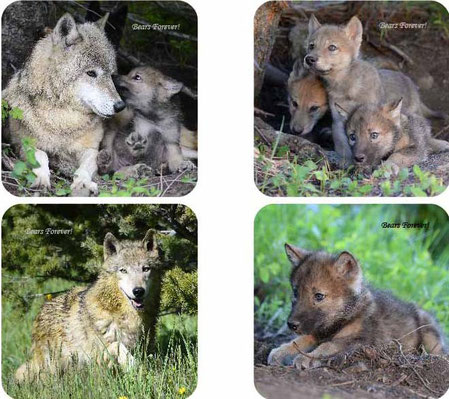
{"x":369,"y":373}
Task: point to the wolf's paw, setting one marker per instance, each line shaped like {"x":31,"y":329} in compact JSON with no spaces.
{"x":104,"y":159}
{"x":280,"y":357}
{"x":302,"y":362}
{"x":82,"y":183}
{"x":42,"y":180}
{"x":136,"y":171}
{"x":186,"y":166}
{"x":391,"y":166}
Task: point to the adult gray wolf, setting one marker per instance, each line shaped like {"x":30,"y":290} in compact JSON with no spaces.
{"x":334,"y":312}
{"x":104,"y":321}
{"x":65,"y":91}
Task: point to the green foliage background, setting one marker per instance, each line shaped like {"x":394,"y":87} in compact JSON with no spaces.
{"x":36,"y":264}
{"x":412,"y":263}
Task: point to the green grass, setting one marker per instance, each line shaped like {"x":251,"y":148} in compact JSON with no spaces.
{"x":170,"y":373}
{"x":412,"y":263}
{"x":315,"y":178}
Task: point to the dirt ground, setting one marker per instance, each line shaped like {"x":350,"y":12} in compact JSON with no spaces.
{"x":422,"y":54}
{"x":369,"y":373}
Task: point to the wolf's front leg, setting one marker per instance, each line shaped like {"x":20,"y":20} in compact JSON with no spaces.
{"x":176,"y":162}
{"x":42,"y":172}
{"x":286,"y":353}
{"x":341,"y":143}
{"x":118,"y":352}
{"x":86,"y":171}
{"x":319,"y":355}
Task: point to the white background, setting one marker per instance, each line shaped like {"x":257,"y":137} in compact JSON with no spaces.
{"x":225,"y":199}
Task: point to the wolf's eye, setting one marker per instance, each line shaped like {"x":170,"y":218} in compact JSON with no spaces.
{"x":123,"y":270}
{"x":352,"y":137}
{"x":311,"y":46}
{"x":374,"y":135}
{"x":332,"y":47}
{"x":92,"y":74}
{"x":137,"y":77}
{"x":314,"y":108}
{"x":146,"y":269}
{"x":294,"y":103}
{"x":319,"y":297}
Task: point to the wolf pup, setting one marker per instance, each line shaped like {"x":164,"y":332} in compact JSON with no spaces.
{"x":379,"y":133}
{"x":104,"y":321}
{"x":155,"y":118}
{"x":333,"y":54}
{"x":334,"y":311}
{"x":65,"y":91}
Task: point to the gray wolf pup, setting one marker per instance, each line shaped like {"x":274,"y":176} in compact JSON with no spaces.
{"x":150,"y":128}
{"x":104,"y":321}
{"x":333,"y":54}
{"x":379,"y":133}
{"x":65,"y":90}
{"x":334,"y":311}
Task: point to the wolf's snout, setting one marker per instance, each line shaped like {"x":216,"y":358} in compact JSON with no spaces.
{"x":310,"y":60}
{"x":138,"y":292}
{"x":360,"y":158}
{"x":297,"y":130}
{"x":119,"y":106}
{"x":293,"y":325}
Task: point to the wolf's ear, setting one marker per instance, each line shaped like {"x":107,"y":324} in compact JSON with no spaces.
{"x":298,"y":71}
{"x":342,"y":112}
{"x":149,"y":242}
{"x":101,"y":23}
{"x":172,"y":86}
{"x":314,"y":25}
{"x":354,"y":30}
{"x":346,"y":265}
{"x":110,"y":245}
{"x":295,"y":255}
{"x":393,"y":111}
{"x":65,"y":32}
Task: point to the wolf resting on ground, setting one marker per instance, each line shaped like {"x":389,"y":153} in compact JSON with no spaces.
{"x":104,"y":321}
{"x":334,"y":311}
{"x":382,"y":132}
{"x":149,"y":130}
{"x":65,"y":90}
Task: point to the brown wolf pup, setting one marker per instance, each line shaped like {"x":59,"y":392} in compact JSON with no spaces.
{"x":333,"y":54}
{"x":334,"y":311}
{"x":105,"y":321}
{"x":379,"y":133}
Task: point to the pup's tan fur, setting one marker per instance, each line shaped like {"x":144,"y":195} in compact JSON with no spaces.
{"x":334,"y":311}
{"x":104,"y":321}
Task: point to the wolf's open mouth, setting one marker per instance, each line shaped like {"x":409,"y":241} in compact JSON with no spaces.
{"x":136,"y":303}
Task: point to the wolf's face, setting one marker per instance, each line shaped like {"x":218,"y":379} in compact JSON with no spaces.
{"x":85,"y":61}
{"x":325,"y":288}
{"x":133,"y":262}
{"x":373,"y":132}
{"x":332,"y":48}
{"x":145,"y":86}
{"x":307,"y":103}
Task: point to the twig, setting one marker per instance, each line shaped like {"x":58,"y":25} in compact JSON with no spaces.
{"x":399,"y":52}
{"x":416,"y":329}
{"x":310,"y":356}
{"x":258,"y":111}
{"x":441,"y":131}
{"x":342,"y":383}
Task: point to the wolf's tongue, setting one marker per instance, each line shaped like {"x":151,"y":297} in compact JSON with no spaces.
{"x":137,"y":304}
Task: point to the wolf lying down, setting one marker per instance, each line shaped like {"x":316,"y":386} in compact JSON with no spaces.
{"x":105,"y":321}
{"x":334,"y":312}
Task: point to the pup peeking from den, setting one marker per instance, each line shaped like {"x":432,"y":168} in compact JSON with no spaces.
{"x":96,"y":104}
{"x":338,"y":95}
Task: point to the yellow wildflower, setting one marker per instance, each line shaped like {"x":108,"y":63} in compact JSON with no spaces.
{"x":49,"y":297}
{"x":182,"y":391}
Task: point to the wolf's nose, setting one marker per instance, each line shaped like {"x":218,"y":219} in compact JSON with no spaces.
{"x":119,"y":106}
{"x":359,"y":158}
{"x":310,"y":60}
{"x":138,"y":292}
{"x":297,"y":130}
{"x":293,"y":325}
